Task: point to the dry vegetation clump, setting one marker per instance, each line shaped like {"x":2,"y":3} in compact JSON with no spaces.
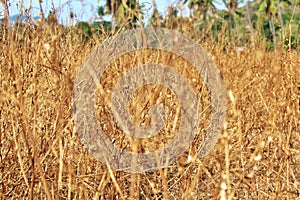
{"x":145,"y":97}
{"x":41,"y":155}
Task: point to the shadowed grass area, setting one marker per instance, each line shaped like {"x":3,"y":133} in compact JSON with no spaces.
{"x":42,"y":156}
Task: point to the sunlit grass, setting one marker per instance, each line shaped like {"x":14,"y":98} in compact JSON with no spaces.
{"x":41,"y":155}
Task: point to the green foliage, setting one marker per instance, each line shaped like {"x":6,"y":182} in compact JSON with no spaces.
{"x":124,"y":12}
{"x":101,"y":27}
{"x":265,"y":21}
{"x":84,"y":29}
{"x":201,"y":7}
{"x":100,"y":11}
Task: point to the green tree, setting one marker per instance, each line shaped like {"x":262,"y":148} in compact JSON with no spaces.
{"x":272,"y":10}
{"x":233,"y":15}
{"x":102,"y":25}
{"x":124,"y":12}
{"x":200,"y":8}
{"x":84,"y":30}
{"x":101,"y":12}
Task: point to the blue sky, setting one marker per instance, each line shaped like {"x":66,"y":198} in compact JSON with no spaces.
{"x":85,"y":10}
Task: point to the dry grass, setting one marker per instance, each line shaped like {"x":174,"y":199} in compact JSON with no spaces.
{"x":41,"y":155}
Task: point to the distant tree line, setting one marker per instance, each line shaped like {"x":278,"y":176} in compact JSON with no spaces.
{"x":275,"y":22}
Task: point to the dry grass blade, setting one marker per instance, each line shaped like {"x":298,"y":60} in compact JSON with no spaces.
{"x":42,"y":156}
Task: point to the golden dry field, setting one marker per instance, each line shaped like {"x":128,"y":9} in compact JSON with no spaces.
{"x":42,"y":157}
